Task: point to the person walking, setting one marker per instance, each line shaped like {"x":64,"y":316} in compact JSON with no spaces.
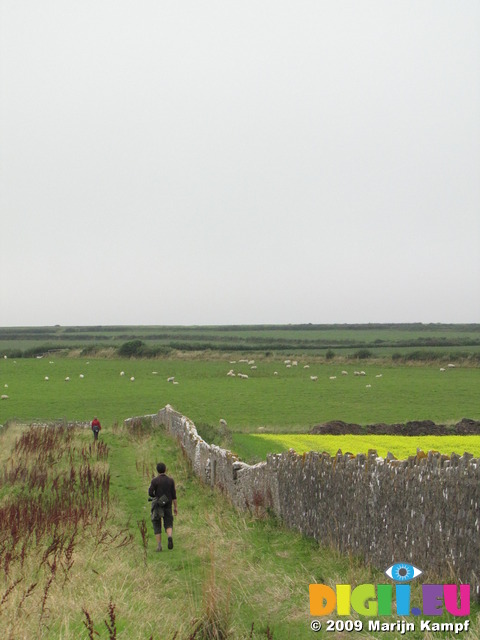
{"x":96,"y":428}
{"x":162,"y":490}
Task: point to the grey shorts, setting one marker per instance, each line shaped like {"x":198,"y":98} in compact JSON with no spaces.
{"x":167,"y":521}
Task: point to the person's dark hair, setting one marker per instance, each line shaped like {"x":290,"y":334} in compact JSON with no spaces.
{"x":161,"y":467}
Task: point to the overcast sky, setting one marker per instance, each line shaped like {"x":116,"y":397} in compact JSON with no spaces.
{"x":248,"y":161}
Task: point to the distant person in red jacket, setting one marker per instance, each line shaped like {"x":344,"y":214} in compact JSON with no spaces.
{"x":96,"y":427}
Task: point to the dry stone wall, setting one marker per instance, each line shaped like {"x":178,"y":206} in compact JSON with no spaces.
{"x":424,"y":511}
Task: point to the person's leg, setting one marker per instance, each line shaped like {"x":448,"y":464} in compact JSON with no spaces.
{"x":169,"y":527}
{"x":157,"y":530}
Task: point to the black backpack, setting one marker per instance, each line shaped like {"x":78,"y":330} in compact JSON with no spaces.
{"x":158,"y":507}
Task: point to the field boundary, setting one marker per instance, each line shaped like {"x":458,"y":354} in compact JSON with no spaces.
{"x":424,"y":510}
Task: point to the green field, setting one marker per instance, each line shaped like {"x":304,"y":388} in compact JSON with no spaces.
{"x":416,"y":340}
{"x":288,"y":402}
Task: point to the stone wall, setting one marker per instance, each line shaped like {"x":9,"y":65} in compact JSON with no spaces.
{"x":424,"y":510}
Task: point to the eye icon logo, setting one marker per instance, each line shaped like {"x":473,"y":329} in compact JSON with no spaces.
{"x":402,"y":572}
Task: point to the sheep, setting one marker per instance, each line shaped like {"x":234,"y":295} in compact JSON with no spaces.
{"x":132,"y":379}
{"x":67,"y":379}
{"x":6,"y":385}
{"x":81,"y":376}
{"x":333,"y":377}
{"x":251,"y":362}
{"x":442,"y":369}
{"x":223,"y":422}
{"x":379,"y":375}
{"x":175,"y":382}
{"x":344,"y":373}
{"x":306,"y":366}
{"x":451,"y":366}
{"x":171,"y":379}
{"x":288,"y":366}
{"x":46,"y":377}
{"x":362,"y":373}
{"x":4,"y":397}
{"x":122,"y":373}
{"x":368,"y":386}
{"x":294,"y":363}
{"x":233,"y":362}
{"x":314,"y":378}
{"x":254,"y":366}
{"x":230,"y":373}
{"x":275,"y":373}
{"x":154,"y":373}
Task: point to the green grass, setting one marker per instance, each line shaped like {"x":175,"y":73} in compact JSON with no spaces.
{"x":287,"y":402}
{"x":245,"y":569}
{"x":256,"y":447}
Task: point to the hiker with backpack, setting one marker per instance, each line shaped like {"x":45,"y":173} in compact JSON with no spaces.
{"x":163,"y":494}
{"x":96,"y":427}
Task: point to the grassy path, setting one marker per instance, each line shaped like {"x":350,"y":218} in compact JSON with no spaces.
{"x":232,"y":568}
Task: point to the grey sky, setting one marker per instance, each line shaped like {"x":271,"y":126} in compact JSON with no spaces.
{"x":239,"y":162}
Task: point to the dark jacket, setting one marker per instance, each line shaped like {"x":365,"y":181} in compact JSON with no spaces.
{"x":163,"y":485}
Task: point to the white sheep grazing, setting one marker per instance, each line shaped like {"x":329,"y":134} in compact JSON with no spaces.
{"x":251,"y":362}
{"x":356,"y":373}
{"x":314,"y":378}
{"x":223,"y":422}
{"x":254,"y":366}
{"x":171,"y":379}
{"x":132,"y":379}
{"x":6,"y":385}
{"x":442,"y":369}
{"x":81,"y":376}
{"x":288,"y":366}
{"x":67,"y":379}
{"x":344,"y":373}
{"x":122,"y":373}
{"x":154,"y":373}
{"x":275,"y":373}
{"x":233,"y":362}
{"x":368,"y":386}
{"x":286,"y":361}
{"x":294,"y":363}
{"x":4,"y":397}
{"x":451,"y":366}
{"x":306,"y":366}
{"x":333,"y":377}
{"x":175,"y":382}
{"x":362,"y":373}
{"x":46,"y":378}
{"x":379,"y":375}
